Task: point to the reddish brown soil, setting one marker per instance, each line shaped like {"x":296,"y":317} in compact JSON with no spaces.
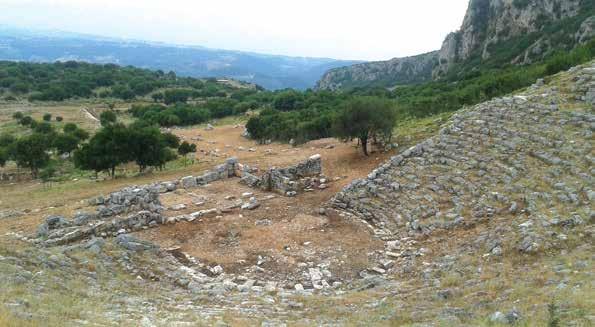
{"x":293,"y":232}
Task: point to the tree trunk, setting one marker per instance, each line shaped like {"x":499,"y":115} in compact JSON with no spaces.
{"x":364,"y":141}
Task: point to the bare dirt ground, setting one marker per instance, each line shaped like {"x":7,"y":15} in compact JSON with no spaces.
{"x":280,"y":234}
{"x":283,"y":231}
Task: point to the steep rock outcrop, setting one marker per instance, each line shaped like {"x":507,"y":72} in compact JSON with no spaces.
{"x":408,"y":70}
{"x":489,"y":22}
{"x":499,"y":31}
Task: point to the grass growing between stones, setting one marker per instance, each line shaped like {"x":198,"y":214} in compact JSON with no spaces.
{"x":411,"y":131}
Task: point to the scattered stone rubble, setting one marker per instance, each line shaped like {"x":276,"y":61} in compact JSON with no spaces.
{"x":584,"y":85}
{"x":57,"y":230}
{"x":288,"y":181}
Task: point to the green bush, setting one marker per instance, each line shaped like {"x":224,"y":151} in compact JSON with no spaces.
{"x":66,"y":80}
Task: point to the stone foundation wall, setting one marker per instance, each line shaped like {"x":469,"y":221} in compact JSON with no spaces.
{"x":144,"y":201}
{"x":286,"y":181}
{"x":223,"y":171}
{"x":129,"y":199}
{"x":57,"y":230}
{"x":280,"y":180}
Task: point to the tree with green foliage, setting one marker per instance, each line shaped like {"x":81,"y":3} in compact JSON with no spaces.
{"x":20,"y":88}
{"x":65,"y":143}
{"x":6,"y":140}
{"x":123,"y":92}
{"x":186,"y":148}
{"x":149,"y":148}
{"x":157,"y":97}
{"x":17,"y":116}
{"x":107,"y":118}
{"x":26,"y":121}
{"x":364,"y":118}
{"x":81,"y":134}
{"x":59,"y":118}
{"x":288,"y":100}
{"x":257,"y":128}
{"x":107,"y":149}
{"x":74,"y":130}
{"x":171,"y":140}
{"x":176,"y":115}
{"x":59,"y":81}
{"x":88,"y":158}
{"x":69,"y":127}
{"x":44,"y":128}
{"x":3,"y":156}
{"x":176,"y":96}
{"x":47,"y":117}
{"x":31,"y":152}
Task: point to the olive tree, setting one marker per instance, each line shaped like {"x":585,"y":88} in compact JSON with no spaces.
{"x":365,"y":118}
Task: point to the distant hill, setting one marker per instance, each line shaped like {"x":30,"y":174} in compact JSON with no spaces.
{"x":494,"y":34}
{"x":409,"y":70}
{"x":269,"y":71}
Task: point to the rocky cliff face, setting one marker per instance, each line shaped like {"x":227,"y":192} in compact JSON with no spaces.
{"x":407,"y":70}
{"x":501,"y":31}
{"x":489,"y":22}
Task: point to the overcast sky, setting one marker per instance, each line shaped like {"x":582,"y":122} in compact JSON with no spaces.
{"x":342,"y":29}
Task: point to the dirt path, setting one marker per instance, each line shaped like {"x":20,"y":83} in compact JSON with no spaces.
{"x":89,"y":115}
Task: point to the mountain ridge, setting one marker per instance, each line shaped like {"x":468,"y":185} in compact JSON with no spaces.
{"x":408,"y":70}
{"x":268,"y":70}
{"x":494,"y":33}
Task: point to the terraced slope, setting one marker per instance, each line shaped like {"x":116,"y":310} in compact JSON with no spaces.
{"x":528,"y":158}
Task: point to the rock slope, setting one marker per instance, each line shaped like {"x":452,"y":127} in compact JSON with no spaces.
{"x":488,"y":22}
{"x":527,"y":157}
{"x":487,"y":26}
{"x":409,"y":70}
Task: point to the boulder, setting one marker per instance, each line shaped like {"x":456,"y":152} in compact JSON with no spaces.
{"x":178,"y":207}
{"x":188,"y":182}
{"x":133,"y":244}
{"x":51,"y":223}
{"x":82,"y":218}
{"x":251,"y":204}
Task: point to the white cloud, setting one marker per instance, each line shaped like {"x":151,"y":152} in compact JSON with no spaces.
{"x":372,"y":29}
